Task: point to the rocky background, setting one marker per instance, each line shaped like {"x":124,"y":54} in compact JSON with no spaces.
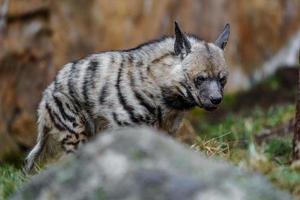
{"x":41,"y":35}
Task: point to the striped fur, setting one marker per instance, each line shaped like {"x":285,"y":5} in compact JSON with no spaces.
{"x":153,"y":84}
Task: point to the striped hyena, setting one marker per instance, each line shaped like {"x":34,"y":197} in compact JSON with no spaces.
{"x":153,"y":84}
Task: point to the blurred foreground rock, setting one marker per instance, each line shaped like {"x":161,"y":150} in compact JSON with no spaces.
{"x":142,"y":164}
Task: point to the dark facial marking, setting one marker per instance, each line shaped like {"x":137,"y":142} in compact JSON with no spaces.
{"x":175,"y":101}
{"x":222,"y":81}
{"x":190,"y":97}
{"x":199,"y":80}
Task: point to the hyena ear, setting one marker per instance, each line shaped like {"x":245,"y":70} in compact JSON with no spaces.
{"x":222,"y":39}
{"x":182,"y":45}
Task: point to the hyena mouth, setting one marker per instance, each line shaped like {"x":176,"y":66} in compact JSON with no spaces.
{"x":205,"y":106}
{"x":210,"y":108}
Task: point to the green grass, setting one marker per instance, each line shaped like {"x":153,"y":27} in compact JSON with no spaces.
{"x":11,"y":179}
{"x":241,"y":126}
{"x":236,"y":132}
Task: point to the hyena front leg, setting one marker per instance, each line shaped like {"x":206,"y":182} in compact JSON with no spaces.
{"x":172,"y":122}
{"x":71,"y":142}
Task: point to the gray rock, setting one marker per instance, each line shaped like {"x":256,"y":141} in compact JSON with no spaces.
{"x":142,"y":164}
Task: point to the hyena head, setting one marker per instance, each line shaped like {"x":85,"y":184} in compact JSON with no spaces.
{"x":204,"y":70}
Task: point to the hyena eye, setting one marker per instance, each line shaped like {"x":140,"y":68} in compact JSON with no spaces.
{"x":222,"y":81}
{"x":199,"y":80}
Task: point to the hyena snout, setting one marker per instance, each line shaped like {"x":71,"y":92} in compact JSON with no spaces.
{"x":210,"y":94}
{"x":215,"y":99}
{"x":211,"y":101}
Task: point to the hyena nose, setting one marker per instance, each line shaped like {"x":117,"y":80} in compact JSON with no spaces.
{"x":215,"y":99}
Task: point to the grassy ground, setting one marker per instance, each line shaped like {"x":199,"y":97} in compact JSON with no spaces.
{"x":233,"y":138}
{"x":10,"y":179}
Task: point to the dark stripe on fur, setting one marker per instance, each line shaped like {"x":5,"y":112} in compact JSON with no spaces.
{"x":61,"y":126}
{"x":128,"y":108}
{"x":62,"y":123}
{"x":89,"y":82}
{"x":138,"y":96}
{"x":120,"y":123}
{"x":180,"y":92}
{"x":142,"y":101}
{"x":104,"y":93}
{"x":62,"y":111}
{"x":58,"y":126}
{"x":73,"y":143}
{"x":130,"y":60}
{"x":147,"y":43}
{"x":69,"y":151}
{"x":63,"y":141}
{"x":74,"y":111}
{"x":71,"y":88}
{"x":210,"y":56}
{"x":116,"y":119}
{"x":187,"y":90}
{"x":112,"y":59}
{"x":159,"y":116}
{"x":157,"y":60}
{"x":140,"y":69}
{"x":207,"y":49}
{"x":56,"y":86}
{"x":174,"y":100}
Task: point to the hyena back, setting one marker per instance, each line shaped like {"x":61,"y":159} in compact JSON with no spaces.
{"x":153,"y":84}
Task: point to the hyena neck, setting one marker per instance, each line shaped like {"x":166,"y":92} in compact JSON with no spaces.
{"x":163,"y":66}
{"x":165,"y":70}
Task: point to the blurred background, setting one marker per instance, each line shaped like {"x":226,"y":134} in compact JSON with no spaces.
{"x":37,"y":37}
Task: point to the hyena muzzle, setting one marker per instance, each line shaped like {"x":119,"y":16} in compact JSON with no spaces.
{"x":153,"y":84}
